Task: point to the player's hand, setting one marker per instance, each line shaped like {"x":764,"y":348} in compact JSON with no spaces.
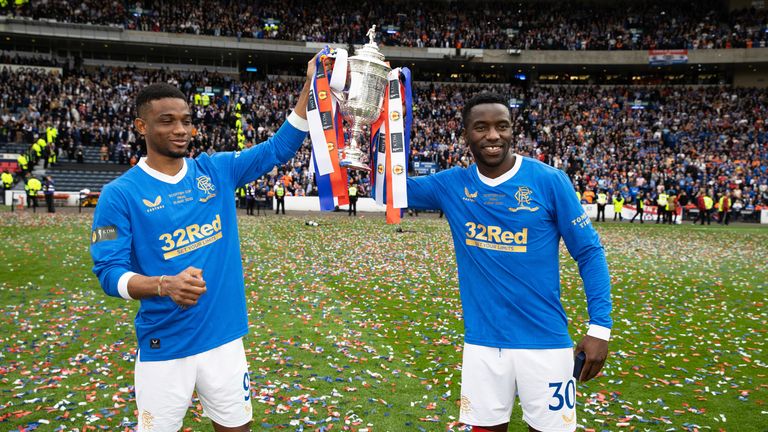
{"x":596,"y":351}
{"x":311,"y":68}
{"x":186,"y":287}
{"x":301,"y":105}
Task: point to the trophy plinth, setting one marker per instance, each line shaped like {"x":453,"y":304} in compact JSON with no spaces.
{"x":352,"y":158}
{"x":361,"y":105}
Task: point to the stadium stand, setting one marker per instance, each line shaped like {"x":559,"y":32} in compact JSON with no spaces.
{"x":605,"y":137}
{"x":76,"y":180}
{"x":617,"y":138}
{"x":623,"y":25}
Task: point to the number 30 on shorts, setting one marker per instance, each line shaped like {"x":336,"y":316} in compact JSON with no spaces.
{"x":563,"y":396}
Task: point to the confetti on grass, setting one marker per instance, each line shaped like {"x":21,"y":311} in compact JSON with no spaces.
{"x":354,"y":327}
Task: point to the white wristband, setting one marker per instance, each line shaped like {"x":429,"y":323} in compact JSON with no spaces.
{"x":599,"y":332}
{"x":298,"y":122}
{"x":122,"y":285}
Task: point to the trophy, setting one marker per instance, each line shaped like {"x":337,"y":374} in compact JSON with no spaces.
{"x":361,"y":103}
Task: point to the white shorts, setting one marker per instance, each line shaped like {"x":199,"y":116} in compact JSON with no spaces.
{"x":220,"y":376}
{"x":490,"y":378}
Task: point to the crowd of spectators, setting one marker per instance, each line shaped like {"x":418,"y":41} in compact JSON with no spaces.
{"x":495,"y":24}
{"x":33,"y":60}
{"x":673,"y":140}
{"x":611,"y":138}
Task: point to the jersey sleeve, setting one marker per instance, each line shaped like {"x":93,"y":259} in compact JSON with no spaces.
{"x":111,"y":240}
{"x":423,"y":191}
{"x":248,"y":165}
{"x":583,"y":244}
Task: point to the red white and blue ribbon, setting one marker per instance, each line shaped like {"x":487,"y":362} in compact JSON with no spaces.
{"x":326,"y":130}
{"x":390,"y":145}
{"x":390,"y":137}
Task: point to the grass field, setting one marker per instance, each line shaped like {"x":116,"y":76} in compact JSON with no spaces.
{"x":347,"y":336}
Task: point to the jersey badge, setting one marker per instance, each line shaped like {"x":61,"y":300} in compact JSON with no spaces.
{"x":205,"y":185}
{"x":523,"y":197}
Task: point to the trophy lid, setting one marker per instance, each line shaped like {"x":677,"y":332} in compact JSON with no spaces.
{"x":370,"y":51}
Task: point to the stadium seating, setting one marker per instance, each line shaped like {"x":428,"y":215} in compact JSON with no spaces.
{"x":76,"y":180}
{"x":485,"y":24}
{"x":612,"y":138}
{"x":12,"y":148}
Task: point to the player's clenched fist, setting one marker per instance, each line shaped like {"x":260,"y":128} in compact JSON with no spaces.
{"x":186,"y":287}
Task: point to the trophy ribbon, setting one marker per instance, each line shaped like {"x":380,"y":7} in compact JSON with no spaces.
{"x":320,"y":154}
{"x":339,"y":74}
{"x":390,"y":145}
{"x":397,"y":140}
{"x":326,"y":133}
{"x":380,"y":158}
{"x":392,"y":215}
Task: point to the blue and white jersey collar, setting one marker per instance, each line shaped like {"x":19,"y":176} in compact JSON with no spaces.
{"x":493,"y":182}
{"x":174,"y":179}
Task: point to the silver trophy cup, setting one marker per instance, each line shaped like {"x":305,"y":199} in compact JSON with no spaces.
{"x":361,"y":104}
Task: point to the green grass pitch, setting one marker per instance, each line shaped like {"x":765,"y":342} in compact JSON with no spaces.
{"x":354,"y":326}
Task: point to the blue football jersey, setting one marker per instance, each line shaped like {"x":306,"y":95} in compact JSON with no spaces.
{"x":506,"y":234}
{"x":153,"y":224}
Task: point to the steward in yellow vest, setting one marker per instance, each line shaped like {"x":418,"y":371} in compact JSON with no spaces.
{"x":23,"y":163}
{"x":37,"y":151}
{"x":602,"y":201}
{"x":618,"y":205}
{"x":352,"y":200}
{"x":33,"y":186}
{"x":280,"y":196}
{"x":661,"y":207}
{"x":724,"y":209}
{"x":708,"y":202}
{"x":51,"y":133}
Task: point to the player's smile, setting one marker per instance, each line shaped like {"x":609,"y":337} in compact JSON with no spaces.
{"x":492,"y":150}
{"x":180,"y":142}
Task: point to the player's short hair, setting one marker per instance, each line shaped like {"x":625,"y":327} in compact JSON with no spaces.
{"x":154,"y":92}
{"x":480,"y":99}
